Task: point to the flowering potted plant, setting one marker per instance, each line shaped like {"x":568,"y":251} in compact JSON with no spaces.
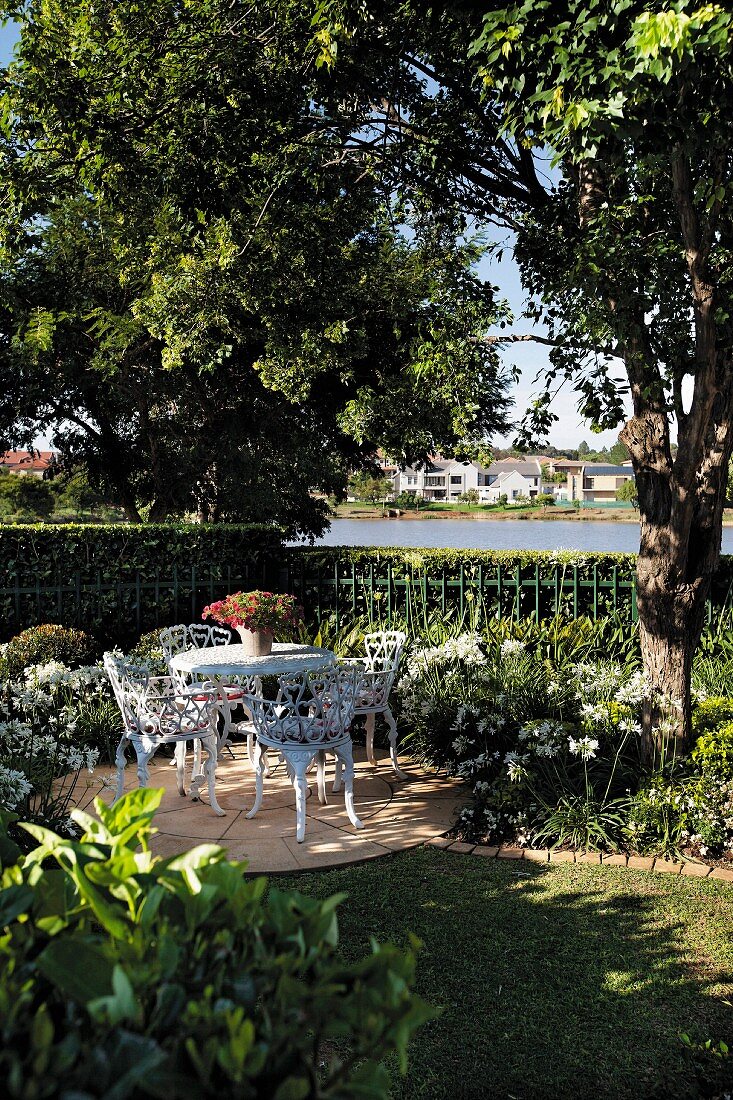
{"x":257,"y":617}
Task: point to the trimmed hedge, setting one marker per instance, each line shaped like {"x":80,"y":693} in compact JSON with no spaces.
{"x":384,"y":581}
{"x":119,"y":580}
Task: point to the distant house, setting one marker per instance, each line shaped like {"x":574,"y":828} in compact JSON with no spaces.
{"x":449,"y":479}
{"x":514,"y":479}
{"x":35,"y":463}
{"x":441,"y":479}
{"x":593,"y":481}
{"x":599,"y":481}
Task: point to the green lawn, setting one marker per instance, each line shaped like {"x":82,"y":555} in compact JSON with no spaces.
{"x":565,"y":981}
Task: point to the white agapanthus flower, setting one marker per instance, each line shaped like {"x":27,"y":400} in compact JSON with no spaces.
{"x":585,"y":747}
{"x":14,"y":787}
{"x":511,"y":647}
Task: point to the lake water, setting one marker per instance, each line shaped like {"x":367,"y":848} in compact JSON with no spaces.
{"x":506,"y":534}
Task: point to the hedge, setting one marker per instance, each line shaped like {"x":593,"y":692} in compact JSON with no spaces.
{"x":118,"y":580}
{"x":384,"y":581}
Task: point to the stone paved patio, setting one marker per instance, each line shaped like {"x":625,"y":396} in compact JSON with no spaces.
{"x":396,"y":814}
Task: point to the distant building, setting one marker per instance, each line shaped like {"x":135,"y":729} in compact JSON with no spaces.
{"x":513,"y":478}
{"x":449,"y":479}
{"x":593,"y":481}
{"x":35,"y":463}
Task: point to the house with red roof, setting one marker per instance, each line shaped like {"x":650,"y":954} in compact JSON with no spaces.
{"x":35,"y":463}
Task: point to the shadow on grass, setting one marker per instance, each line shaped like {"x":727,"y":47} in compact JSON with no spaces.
{"x":563,"y":981}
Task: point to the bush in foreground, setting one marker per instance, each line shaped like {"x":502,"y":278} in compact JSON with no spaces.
{"x":128,"y":975}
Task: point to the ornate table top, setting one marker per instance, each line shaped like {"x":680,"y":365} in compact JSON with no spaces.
{"x":231,"y":660}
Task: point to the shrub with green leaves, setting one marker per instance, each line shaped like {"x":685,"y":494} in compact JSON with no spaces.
{"x":48,"y":642}
{"x":125,"y":974}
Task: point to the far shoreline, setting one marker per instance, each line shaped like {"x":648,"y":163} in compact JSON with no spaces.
{"x":584,"y":515}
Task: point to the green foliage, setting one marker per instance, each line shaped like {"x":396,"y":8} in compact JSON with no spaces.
{"x":710,"y":714}
{"x":27,"y":495}
{"x":222,"y":303}
{"x":713,"y":751}
{"x":47,"y":642}
{"x":367,"y":486}
{"x":584,"y":824}
{"x":128,"y":974}
{"x":628,"y":491}
{"x":544,"y":499}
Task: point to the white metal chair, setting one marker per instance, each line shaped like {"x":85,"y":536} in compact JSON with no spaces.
{"x":178,"y":639}
{"x":311,"y":715}
{"x":376,"y":673}
{"x":157,"y":710}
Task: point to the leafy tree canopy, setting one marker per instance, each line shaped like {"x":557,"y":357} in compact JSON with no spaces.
{"x":221,"y":307}
{"x":600,"y":133}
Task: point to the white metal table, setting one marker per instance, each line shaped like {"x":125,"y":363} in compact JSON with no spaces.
{"x":224,"y":661}
{"x":231,"y":660}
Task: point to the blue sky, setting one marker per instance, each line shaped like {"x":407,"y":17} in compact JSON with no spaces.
{"x":530,"y":358}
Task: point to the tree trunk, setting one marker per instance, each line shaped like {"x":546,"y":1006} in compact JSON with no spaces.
{"x":671,"y":618}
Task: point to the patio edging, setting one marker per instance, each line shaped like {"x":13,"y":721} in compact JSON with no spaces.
{"x":687,"y":868}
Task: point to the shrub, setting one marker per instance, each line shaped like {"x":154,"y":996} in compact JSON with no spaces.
{"x":48,"y":642}
{"x":711,"y":713}
{"x":713,"y":751}
{"x":180,"y":977}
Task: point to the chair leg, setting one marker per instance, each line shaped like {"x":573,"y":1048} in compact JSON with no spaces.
{"x":370,"y":720}
{"x":121,"y":762}
{"x":321,"y":778}
{"x":180,"y":759}
{"x":143,"y":758}
{"x":197,"y":768}
{"x":211,"y":746}
{"x":337,"y":776}
{"x":224,"y":708}
{"x":389,"y":719}
{"x":345,"y":754}
{"x":300,"y":783}
{"x":259,"y":776}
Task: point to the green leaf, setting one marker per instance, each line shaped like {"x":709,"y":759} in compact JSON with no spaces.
{"x":80,"y":969}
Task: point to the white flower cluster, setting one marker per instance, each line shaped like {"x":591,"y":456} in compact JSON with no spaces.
{"x":544,"y":737}
{"x":585,"y":747}
{"x":596,"y":681}
{"x":37,"y":736}
{"x":511,"y":647}
{"x":14,"y":788}
{"x":634,"y":691}
{"x":567,"y":556}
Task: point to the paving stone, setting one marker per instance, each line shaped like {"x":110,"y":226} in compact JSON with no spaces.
{"x":721,"y":874}
{"x":616,"y":859}
{"x":440,"y":842}
{"x":507,"y":852}
{"x":562,"y":857}
{"x":588,"y":857}
{"x":640,"y":863}
{"x":462,"y":847}
{"x":537,"y":855}
{"x":488,"y":851}
{"x":695,"y":870}
{"x":668,"y":866}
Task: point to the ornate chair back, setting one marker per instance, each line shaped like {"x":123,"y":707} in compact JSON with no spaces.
{"x":313,"y":708}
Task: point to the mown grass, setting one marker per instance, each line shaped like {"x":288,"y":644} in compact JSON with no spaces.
{"x":565,"y":981}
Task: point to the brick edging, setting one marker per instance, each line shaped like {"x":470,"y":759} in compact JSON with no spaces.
{"x":690,"y":868}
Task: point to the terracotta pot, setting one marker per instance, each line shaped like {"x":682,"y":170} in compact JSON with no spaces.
{"x":257,"y":643}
